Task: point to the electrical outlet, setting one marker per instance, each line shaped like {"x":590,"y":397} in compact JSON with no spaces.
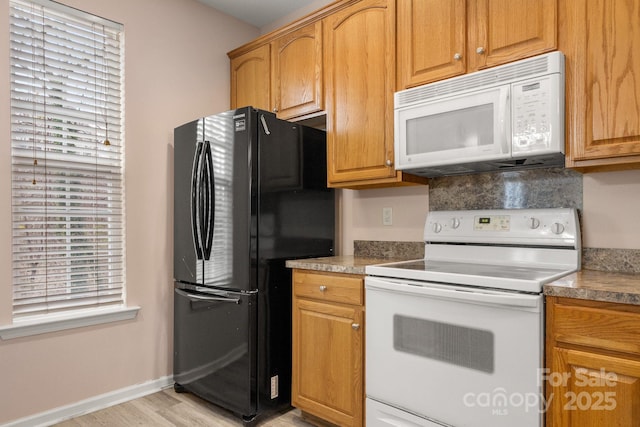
{"x":387,"y":216}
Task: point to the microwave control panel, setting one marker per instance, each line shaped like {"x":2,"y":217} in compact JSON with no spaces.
{"x":536,"y":127}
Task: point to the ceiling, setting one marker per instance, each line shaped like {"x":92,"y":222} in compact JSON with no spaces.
{"x":257,"y":12}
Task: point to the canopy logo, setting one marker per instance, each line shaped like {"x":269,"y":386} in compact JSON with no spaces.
{"x":591,"y":397}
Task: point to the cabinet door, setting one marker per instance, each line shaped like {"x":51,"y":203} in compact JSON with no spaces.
{"x":502,"y":31}
{"x":593,"y":390}
{"x":327,"y":368}
{"x":251,"y":79}
{"x":431,"y":40}
{"x":360,"y":82}
{"x":297,"y":72}
{"x":601,"y":40}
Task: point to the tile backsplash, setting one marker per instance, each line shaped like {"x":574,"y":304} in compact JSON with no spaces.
{"x":534,"y":188}
{"x":383,"y":249}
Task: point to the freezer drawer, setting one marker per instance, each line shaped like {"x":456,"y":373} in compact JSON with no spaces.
{"x":214,"y":347}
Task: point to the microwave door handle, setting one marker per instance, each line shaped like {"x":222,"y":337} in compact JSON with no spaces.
{"x":530,"y":302}
{"x":505,"y":114}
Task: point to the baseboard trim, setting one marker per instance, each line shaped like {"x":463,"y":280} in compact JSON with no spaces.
{"x":92,"y":404}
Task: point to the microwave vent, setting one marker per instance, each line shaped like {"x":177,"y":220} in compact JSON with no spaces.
{"x":539,"y":65}
{"x":538,"y":161}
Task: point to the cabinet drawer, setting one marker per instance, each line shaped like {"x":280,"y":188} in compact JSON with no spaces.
{"x":597,"y":325}
{"x":328,"y":287}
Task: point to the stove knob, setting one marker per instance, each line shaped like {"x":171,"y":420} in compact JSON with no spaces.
{"x":436,"y":227}
{"x":455,"y":223}
{"x":557,"y":228}
{"x":534,"y":223}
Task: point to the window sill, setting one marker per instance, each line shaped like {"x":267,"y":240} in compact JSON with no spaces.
{"x":45,"y":324}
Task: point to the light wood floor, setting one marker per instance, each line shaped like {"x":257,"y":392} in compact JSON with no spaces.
{"x":168,"y":408}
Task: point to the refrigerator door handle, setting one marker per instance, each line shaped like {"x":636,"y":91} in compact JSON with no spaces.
{"x":196,"y":298}
{"x":202,"y":201}
{"x":264,"y":125}
{"x":210,"y":200}
{"x":195,"y":200}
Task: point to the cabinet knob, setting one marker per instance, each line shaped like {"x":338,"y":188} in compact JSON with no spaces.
{"x":275,"y":109}
{"x":355,"y":326}
{"x":457,"y":56}
{"x":389,"y":162}
{"x":323,"y":288}
{"x":480,"y":50}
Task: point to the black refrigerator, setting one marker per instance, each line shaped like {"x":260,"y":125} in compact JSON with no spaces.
{"x":249,"y":193}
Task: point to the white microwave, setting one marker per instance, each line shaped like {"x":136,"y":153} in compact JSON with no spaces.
{"x":502,"y":118}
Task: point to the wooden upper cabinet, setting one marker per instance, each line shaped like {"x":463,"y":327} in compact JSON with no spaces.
{"x":297,"y":84}
{"x":502,"y":31}
{"x":360,"y":79}
{"x":251,"y":79}
{"x":601,"y":41}
{"x":438,"y":39}
{"x":431,"y":41}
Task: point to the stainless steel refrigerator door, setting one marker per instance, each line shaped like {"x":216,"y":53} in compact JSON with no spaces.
{"x":185,"y":257}
{"x":212,"y":200}
{"x":230,"y":137}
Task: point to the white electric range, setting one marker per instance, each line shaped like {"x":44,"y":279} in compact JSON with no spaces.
{"x":457,"y":338}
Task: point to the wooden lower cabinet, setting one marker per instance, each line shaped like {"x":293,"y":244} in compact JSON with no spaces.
{"x":328,"y":346}
{"x":593,"y":357}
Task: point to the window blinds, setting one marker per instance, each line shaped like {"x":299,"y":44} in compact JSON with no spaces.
{"x":67,"y":159}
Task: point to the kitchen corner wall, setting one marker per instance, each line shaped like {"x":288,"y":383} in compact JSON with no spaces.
{"x":609,"y":203}
{"x":176,"y":69}
{"x":360,"y":215}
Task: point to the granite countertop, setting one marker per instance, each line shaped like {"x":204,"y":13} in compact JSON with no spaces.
{"x":339,"y":264}
{"x":597,"y":285}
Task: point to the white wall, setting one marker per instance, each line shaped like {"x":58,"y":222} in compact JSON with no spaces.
{"x":360,"y":216}
{"x":299,"y":13}
{"x":611,"y":215}
{"x":176,"y":69}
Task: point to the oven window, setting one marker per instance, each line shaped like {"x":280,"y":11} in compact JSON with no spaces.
{"x":457,"y":345}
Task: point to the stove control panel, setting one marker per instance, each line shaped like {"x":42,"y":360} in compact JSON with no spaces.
{"x":492,"y":223}
{"x":546,"y":227}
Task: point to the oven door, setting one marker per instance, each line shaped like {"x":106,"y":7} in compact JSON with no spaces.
{"x":454,"y":355}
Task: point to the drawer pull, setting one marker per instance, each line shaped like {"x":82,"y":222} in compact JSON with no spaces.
{"x":355,"y":326}
{"x":323,"y":288}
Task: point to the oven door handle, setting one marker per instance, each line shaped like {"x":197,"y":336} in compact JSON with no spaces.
{"x":471,"y":295}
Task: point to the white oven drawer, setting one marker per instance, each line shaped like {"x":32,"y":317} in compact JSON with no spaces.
{"x":459,"y":357}
{"x":381,"y":415}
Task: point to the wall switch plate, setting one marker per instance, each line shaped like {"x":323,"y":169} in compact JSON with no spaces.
{"x":387,"y":216}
